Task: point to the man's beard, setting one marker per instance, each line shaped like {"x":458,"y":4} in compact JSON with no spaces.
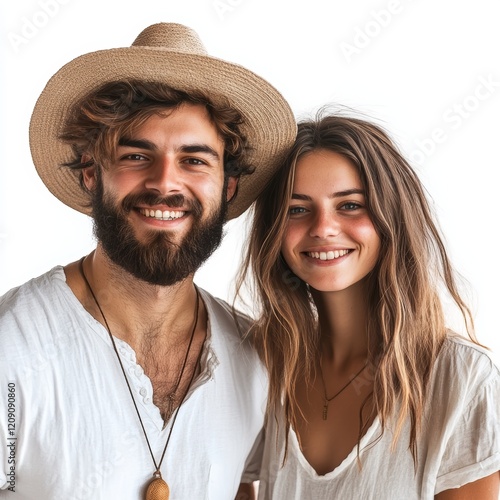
{"x":157,"y":260}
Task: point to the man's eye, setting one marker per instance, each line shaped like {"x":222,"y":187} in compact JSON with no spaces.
{"x":134,"y":157}
{"x":195,"y":161}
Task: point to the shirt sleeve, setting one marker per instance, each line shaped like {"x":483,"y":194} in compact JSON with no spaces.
{"x":254,"y":460}
{"x":473,"y":448}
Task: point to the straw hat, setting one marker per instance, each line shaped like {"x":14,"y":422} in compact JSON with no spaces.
{"x":172,"y":54}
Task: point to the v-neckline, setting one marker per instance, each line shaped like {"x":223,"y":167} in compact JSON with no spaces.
{"x":346,"y":462}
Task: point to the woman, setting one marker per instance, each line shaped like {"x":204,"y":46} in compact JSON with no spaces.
{"x":371,"y":396}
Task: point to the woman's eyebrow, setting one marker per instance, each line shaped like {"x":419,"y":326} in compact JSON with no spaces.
{"x":336,"y":194}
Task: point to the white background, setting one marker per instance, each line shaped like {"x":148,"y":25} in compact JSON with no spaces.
{"x":427,"y":70}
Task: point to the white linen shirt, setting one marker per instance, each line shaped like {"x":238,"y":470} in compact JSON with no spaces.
{"x":459,"y":442}
{"x":72,"y":427}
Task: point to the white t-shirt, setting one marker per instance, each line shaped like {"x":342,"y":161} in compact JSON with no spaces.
{"x":459,"y":443}
{"x":68,"y":428}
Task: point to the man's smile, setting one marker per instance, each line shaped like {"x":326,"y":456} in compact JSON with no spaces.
{"x":162,"y":215}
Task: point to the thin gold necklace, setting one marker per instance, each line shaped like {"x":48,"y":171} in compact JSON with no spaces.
{"x":329,"y":399}
{"x":157,"y":489}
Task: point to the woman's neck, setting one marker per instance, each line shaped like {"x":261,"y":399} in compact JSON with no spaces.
{"x":343,"y":319}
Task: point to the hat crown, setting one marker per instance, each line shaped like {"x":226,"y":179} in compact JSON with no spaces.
{"x":171,"y":36}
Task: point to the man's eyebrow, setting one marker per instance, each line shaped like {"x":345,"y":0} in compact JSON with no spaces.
{"x":150,"y":146}
{"x":337,"y":194}
{"x":137,"y":143}
{"x":200,"y":148}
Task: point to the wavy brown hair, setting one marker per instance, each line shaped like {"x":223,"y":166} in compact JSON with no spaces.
{"x":102,"y":118}
{"x":407,"y":322}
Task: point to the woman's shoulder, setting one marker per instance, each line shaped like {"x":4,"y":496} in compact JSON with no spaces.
{"x":462,"y":349}
{"x":465,"y":365}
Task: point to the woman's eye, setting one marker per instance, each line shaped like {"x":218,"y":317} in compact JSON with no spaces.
{"x":296,"y":210}
{"x":350,"y":206}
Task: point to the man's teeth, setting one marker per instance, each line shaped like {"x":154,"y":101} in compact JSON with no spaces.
{"x":332,"y":254}
{"x":165,"y":215}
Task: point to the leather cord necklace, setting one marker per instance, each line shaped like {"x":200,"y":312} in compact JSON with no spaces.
{"x":157,"y":489}
{"x":338,"y":393}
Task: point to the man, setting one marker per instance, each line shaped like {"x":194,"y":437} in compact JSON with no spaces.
{"x":120,"y":378}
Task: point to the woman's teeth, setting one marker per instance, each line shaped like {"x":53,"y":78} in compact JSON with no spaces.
{"x":332,"y":254}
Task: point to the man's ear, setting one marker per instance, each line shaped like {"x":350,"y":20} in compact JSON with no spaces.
{"x":89,"y":173}
{"x":232,"y":184}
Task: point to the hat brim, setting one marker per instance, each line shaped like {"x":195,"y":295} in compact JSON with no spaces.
{"x":269,"y":125}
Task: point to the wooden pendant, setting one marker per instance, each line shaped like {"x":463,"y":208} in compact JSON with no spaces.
{"x":157,"y":489}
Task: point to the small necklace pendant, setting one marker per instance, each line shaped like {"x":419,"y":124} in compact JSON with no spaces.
{"x":325,"y":410}
{"x":157,"y":489}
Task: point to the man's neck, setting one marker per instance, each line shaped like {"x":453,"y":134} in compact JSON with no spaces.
{"x":134,"y":309}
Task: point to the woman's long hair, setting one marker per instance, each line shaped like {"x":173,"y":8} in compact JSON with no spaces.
{"x":407,"y":324}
